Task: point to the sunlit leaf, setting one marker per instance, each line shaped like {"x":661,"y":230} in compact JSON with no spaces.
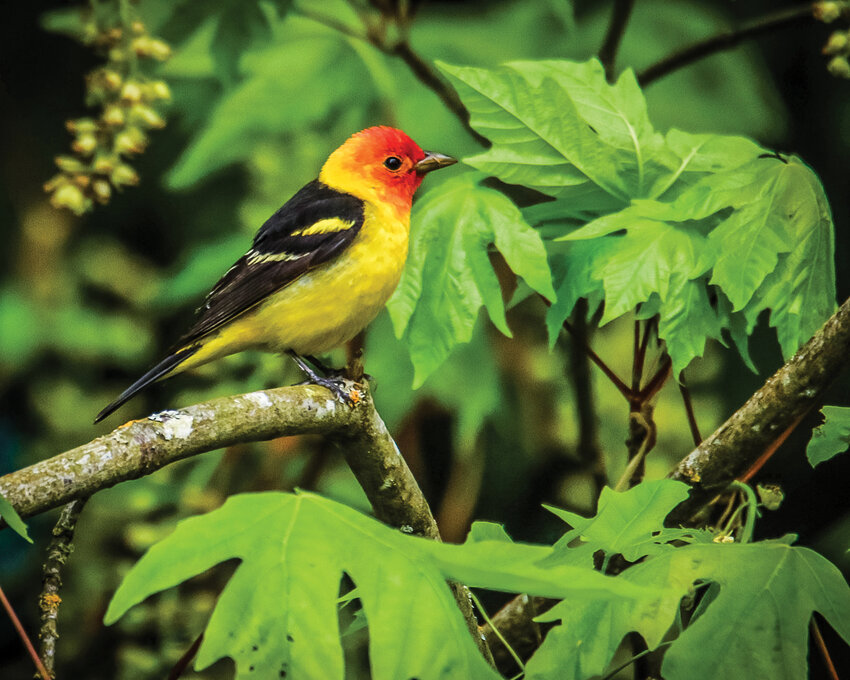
{"x":278,"y":612}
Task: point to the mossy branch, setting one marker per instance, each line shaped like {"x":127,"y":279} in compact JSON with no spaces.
{"x":141,"y":447}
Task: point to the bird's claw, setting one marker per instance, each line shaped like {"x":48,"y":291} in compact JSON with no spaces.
{"x":341,"y":389}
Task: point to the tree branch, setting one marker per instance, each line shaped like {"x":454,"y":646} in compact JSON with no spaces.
{"x":752,"y":430}
{"x":724,"y":41}
{"x":736,"y":445}
{"x":616,"y":30}
{"x":143,"y":446}
{"x":58,"y":552}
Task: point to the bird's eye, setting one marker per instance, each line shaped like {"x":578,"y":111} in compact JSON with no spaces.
{"x":392,"y":163}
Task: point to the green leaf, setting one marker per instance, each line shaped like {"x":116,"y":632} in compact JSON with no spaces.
{"x":448,"y":276}
{"x":557,"y":124}
{"x":800,"y":292}
{"x":278,"y":612}
{"x":487,"y":531}
{"x":687,"y":321}
{"x":630,"y":523}
{"x":13,"y":519}
{"x":831,"y":437}
{"x":731,"y":92}
{"x":755,"y":627}
{"x":758,"y":625}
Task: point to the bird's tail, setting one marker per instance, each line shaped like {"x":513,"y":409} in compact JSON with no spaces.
{"x":162,"y":369}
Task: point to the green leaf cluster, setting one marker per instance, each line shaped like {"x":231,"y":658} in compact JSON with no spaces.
{"x":705,"y":231}
{"x":736,"y":609}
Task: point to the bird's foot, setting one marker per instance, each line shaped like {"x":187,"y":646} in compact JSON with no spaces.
{"x":343,"y":390}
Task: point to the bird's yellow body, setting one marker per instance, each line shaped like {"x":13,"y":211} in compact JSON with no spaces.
{"x":328,"y":306}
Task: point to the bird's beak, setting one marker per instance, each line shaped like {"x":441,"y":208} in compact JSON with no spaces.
{"x":433,"y":161}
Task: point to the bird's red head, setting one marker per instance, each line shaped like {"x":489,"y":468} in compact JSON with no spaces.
{"x":381,"y":163}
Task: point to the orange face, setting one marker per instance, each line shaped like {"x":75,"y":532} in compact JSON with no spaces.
{"x":381,"y":163}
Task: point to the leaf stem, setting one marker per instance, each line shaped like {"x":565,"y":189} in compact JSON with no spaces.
{"x":594,"y":357}
{"x":752,"y":504}
{"x":616,"y":30}
{"x":657,"y":381}
{"x":689,"y":409}
{"x":821,"y":645}
{"x":183,"y":662}
{"x":637,"y":359}
{"x":497,"y":632}
{"x":16,"y":622}
{"x":613,"y":673}
{"x":724,"y":40}
{"x":588,"y":448}
{"x":635,"y":461}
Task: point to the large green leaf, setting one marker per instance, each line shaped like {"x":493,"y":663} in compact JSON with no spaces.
{"x":800,"y":292}
{"x":830,"y":438}
{"x":558,"y":124}
{"x":756,"y":625}
{"x":732,"y":91}
{"x":449,"y":277}
{"x":278,"y":613}
{"x":628,"y":523}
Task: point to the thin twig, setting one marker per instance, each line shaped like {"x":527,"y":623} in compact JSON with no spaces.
{"x":724,"y":41}
{"x":689,"y":409}
{"x":16,"y":622}
{"x":620,"y":14}
{"x":594,"y":357}
{"x":61,"y":546}
{"x":330,"y":22}
{"x":656,"y":382}
{"x":429,"y":77}
{"x":821,"y":645}
{"x":183,"y":662}
{"x":636,"y":460}
{"x":637,"y":359}
{"x":420,"y":68}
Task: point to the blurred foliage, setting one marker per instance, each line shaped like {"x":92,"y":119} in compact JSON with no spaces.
{"x":259,"y":98}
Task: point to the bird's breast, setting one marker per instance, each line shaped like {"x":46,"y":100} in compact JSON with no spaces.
{"x":332,"y":303}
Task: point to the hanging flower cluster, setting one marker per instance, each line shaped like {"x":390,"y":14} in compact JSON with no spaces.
{"x":128,"y":103}
{"x":838,"y":45}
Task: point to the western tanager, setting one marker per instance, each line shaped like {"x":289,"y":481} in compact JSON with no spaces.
{"x":319,"y":270}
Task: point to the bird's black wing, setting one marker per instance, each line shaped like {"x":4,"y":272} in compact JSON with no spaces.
{"x":311,"y":228}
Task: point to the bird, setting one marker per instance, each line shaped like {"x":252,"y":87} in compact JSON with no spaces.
{"x":319,"y":270}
